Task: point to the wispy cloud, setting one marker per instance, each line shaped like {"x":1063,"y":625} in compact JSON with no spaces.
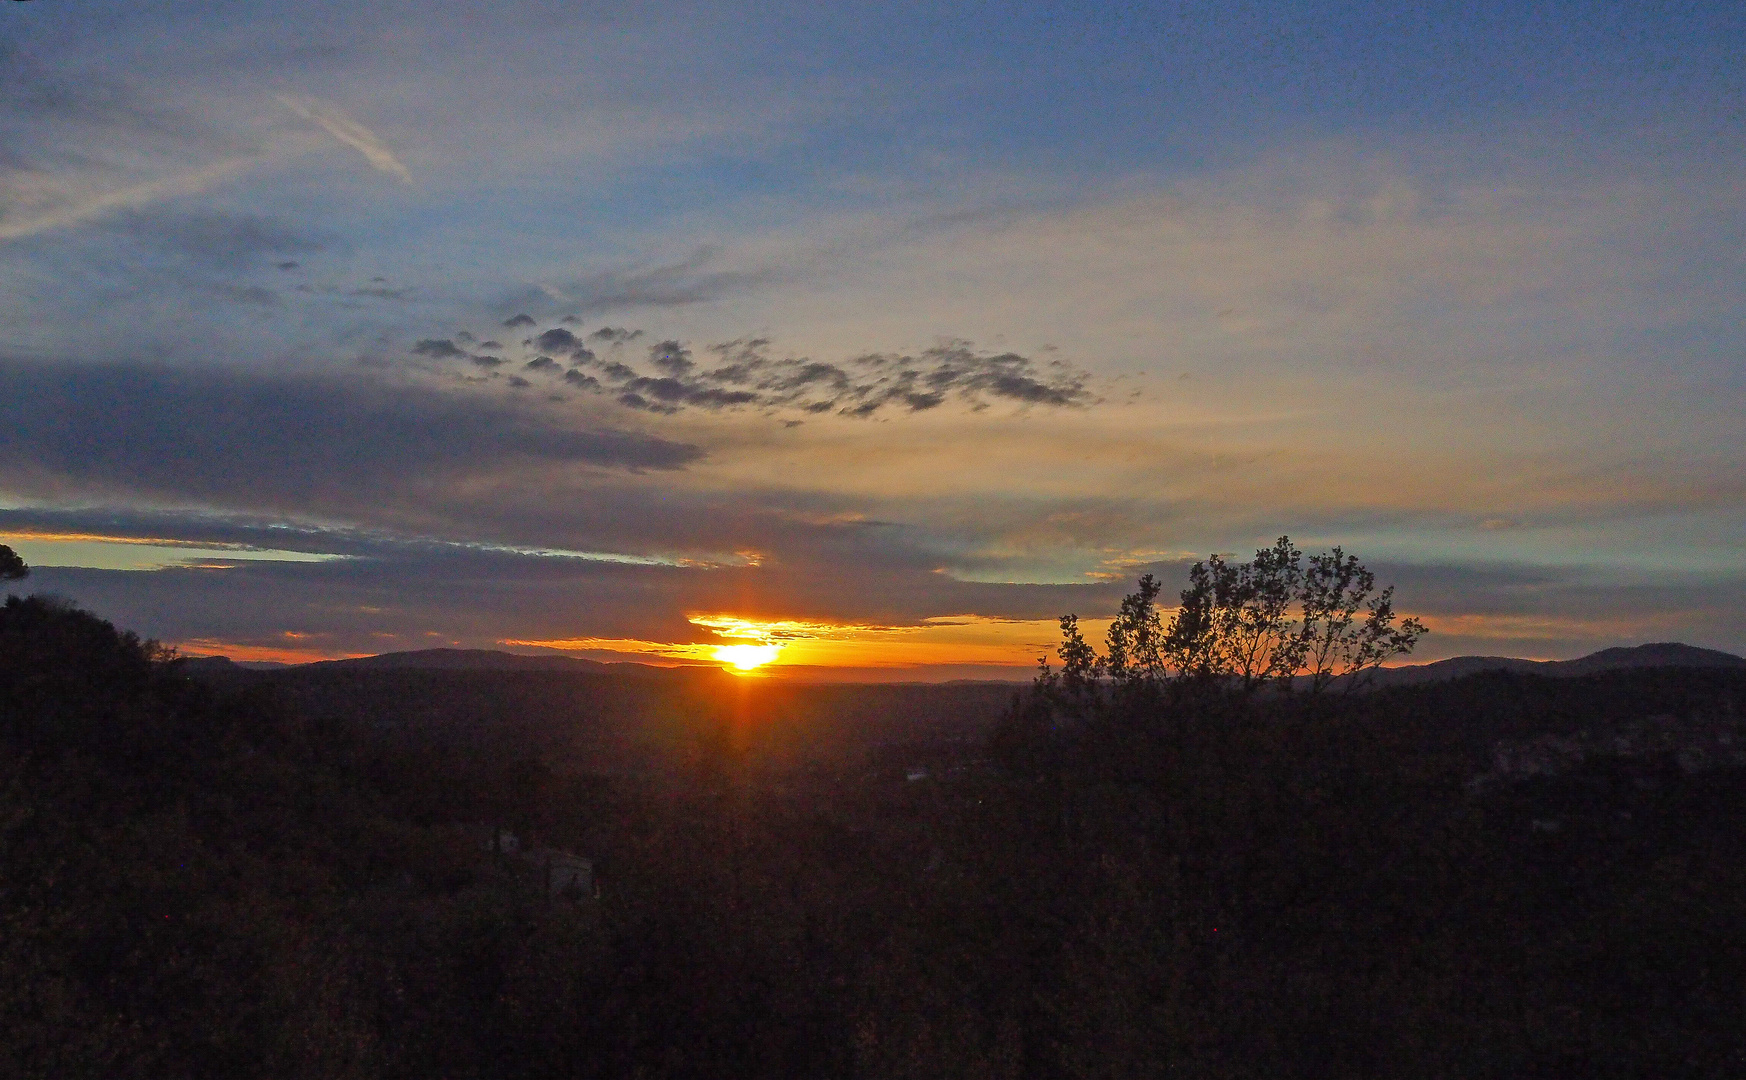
{"x":693,"y":280}
{"x":330,"y":119}
{"x":77,"y":145}
{"x":43,"y":211}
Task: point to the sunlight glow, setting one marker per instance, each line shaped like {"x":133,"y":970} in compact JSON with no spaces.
{"x":747,"y":657}
{"x":786,"y":644}
{"x":958,"y":639}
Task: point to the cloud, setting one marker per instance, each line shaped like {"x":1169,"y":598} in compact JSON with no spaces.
{"x":250,"y":440}
{"x":439,"y":349}
{"x":671,"y":357}
{"x":557,"y":340}
{"x":745,"y":375}
{"x":135,"y":526}
{"x":76,"y":105}
{"x":515,"y":321}
{"x":403,"y":587}
{"x":82,"y":144}
{"x":74,"y":203}
{"x":342,"y":127}
{"x":1378,"y":347}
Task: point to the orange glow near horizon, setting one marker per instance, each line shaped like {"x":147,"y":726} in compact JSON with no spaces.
{"x":276,"y":654}
{"x":775,"y":644}
{"x":957,"y":639}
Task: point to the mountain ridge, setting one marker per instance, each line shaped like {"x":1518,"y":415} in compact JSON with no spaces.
{"x":1652,"y":654}
{"x":435,"y":660}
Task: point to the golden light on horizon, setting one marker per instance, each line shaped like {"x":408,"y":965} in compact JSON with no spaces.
{"x":746,"y":657}
{"x":785,"y":644}
{"x":953,"y":639}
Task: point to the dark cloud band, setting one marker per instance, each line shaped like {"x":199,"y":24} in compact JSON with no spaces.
{"x":244,"y":438}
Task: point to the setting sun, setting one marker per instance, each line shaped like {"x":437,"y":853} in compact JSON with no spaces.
{"x":747,"y":657}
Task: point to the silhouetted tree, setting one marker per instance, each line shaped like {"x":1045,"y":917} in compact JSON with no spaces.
{"x":1136,"y":640}
{"x":1243,"y":625}
{"x":12,"y":567}
{"x":71,"y":683}
{"x":1251,"y":623}
{"x":1332,"y":643}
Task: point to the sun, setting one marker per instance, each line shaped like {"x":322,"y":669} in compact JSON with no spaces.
{"x":746,"y":657}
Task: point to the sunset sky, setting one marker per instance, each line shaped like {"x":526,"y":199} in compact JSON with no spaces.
{"x":886,"y":334}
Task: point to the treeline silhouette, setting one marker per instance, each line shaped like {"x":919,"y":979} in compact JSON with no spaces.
{"x":220,"y":879}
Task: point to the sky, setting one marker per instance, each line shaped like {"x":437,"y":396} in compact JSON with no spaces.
{"x":885,"y":335}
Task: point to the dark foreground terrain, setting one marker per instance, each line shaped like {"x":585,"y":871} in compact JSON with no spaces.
{"x":293,"y":874}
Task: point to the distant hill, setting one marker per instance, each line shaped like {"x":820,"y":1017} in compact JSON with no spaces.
{"x":1658,"y":654}
{"x":430,"y":660}
{"x":467,"y":660}
{"x":224,"y":665}
{"x":495,"y":660}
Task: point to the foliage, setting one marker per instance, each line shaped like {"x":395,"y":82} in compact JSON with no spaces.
{"x":1245,"y":625}
{"x":12,"y":567}
{"x":1331,"y":642}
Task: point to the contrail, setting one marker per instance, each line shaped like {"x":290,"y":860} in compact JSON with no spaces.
{"x":122,"y":198}
{"x":348,"y":131}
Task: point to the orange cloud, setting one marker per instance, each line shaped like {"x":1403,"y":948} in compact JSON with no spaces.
{"x":278,"y":654}
{"x":660,"y":650}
